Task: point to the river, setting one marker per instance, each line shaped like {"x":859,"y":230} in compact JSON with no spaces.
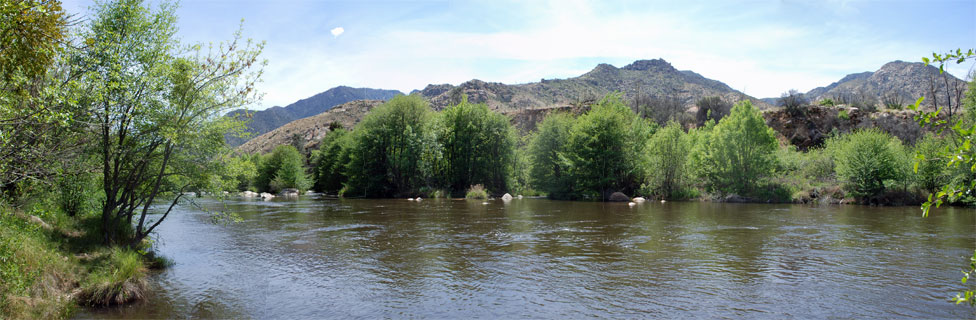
{"x":536,"y":258}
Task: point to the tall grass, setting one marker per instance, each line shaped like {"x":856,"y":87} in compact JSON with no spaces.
{"x":477,"y":192}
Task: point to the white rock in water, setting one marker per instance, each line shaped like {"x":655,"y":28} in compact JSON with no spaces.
{"x":632,"y":204}
{"x":419,"y":198}
{"x":639,"y":199}
{"x":409,"y":199}
{"x":485,"y":203}
{"x":506,"y":197}
{"x":520,"y":196}
{"x":663,"y":201}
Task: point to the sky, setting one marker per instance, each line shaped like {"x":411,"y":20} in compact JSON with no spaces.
{"x":762,"y":48}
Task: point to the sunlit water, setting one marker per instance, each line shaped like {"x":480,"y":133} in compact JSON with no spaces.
{"x":534,"y":258}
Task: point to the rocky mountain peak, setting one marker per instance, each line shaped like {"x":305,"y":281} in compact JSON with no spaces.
{"x":658,"y":65}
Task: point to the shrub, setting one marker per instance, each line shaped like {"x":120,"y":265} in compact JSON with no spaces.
{"x":735,"y":155}
{"x":842,"y":114}
{"x":827,"y":102}
{"x":283,"y":168}
{"x":476,"y":192}
{"x":931,"y":166}
{"x":118,"y":280}
{"x":867,"y":160}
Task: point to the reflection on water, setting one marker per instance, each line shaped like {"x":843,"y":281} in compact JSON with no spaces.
{"x":323,"y":258}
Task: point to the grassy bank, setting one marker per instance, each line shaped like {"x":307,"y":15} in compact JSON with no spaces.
{"x":50,"y":264}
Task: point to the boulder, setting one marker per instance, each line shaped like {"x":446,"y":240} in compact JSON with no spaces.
{"x":618,"y":197}
{"x":506,"y":197}
{"x":249,"y":194}
{"x":289,"y":192}
{"x":267,"y":196}
{"x":734,"y":198}
{"x":639,"y":199}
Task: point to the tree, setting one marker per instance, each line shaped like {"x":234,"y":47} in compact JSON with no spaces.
{"x":331,"y":160}
{"x":961,"y":154}
{"x":792,"y":101}
{"x":282,"y":168}
{"x":478,"y":147}
{"x":867,"y":160}
{"x":668,"y":155}
{"x":156,"y":111}
{"x":603,"y":149}
{"x":36,"y":122}
{"x":711,"y":108}
{"x":550,"y":169}
{"x":388,"y":148}
{"x":737,"y":153}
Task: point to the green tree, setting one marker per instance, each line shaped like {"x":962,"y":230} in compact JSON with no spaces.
{"x":331,"y":160}
{"x":606,"y":147}
{"x":387,"y":153}
{"x":867,"y":160}
{"x":735,"y":155}
{"x":282,"y":168}
{"x":668,"y":150}
{"x":549,"y":169}
{"x":157,"y":111}
{"x":478,"y":147}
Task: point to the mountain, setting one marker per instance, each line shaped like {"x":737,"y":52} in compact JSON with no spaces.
{"x":905,"y":80}
{"x":647,"y":78}
{"x":266,"y":120}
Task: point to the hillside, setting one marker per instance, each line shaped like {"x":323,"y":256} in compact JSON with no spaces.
{"x":648,"y":78}
{"x":905,"y":81}
{"x":312,"y":129}
{"x":266,"y":120}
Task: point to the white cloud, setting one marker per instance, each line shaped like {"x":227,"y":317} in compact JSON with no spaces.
{"x":337,"y":31}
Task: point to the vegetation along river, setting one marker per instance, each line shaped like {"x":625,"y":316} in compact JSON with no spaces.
{"x":325,"y":258}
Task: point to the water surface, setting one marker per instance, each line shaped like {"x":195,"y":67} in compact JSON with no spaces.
{"x":535,"y":258}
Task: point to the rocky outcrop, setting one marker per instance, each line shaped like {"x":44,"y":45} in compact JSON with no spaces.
{"x":812,"y":128}
{"x":618,"y":197}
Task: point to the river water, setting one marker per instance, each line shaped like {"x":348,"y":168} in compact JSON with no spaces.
{"x":536,"y":258}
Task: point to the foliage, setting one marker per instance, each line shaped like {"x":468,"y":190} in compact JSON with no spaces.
{"x":157,"y":112}
{"x":550,"y":169}
{"x":931,"y":170}
{"x":330,"y":163}
{"x":478,"y":147}
{"x":282,"y":168}
{"x":668,"y":150}
{"x":389,"y":148}
{"x":842,"y":114}
{"x":119,"y":279}
{"x":827,"y":102}
{"x":970,"y":294}
{"x":28,"y":263}
{"x":606,"y":147}
{"x":735,"y":155}
{"x":476,"y":192}
{"x":711,"y":108}
{"x":866,"y":160}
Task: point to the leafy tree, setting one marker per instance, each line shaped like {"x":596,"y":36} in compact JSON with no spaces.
{"x":669,"y":150}
{"x":603,"y":149}
{"x":331,"y":160}
{"x":386,"y":157}
{"x":283,"y":168}
{"x":933,"y":172}
{"x":36,"y":120}
{"x":737,"y":153}
{"x":478,"y":147}
{"x":866,"y":160}
{"x":156,"y":112}
{"x":550,"y":171}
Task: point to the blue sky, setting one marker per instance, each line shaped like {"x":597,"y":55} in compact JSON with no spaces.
{"x":762,"y":48}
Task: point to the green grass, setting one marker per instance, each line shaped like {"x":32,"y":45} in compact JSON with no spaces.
{"x":118,"y":278}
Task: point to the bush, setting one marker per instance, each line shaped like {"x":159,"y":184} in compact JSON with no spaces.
{"x":842,"y":114}
{"x":121,"y":278}
{"x":827,"y":102}
{"x":476,"y":192}
{"x":331,"y":160}
{"x":867,"y":160}
{"x":735,"y":155}
{"x":931,"y":166}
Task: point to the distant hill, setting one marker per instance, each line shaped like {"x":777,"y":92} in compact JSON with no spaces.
{"x":649,"y":78}
{"x":907,"y":80}
{"x":269,"y":119}
{"x":312,"y":129}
